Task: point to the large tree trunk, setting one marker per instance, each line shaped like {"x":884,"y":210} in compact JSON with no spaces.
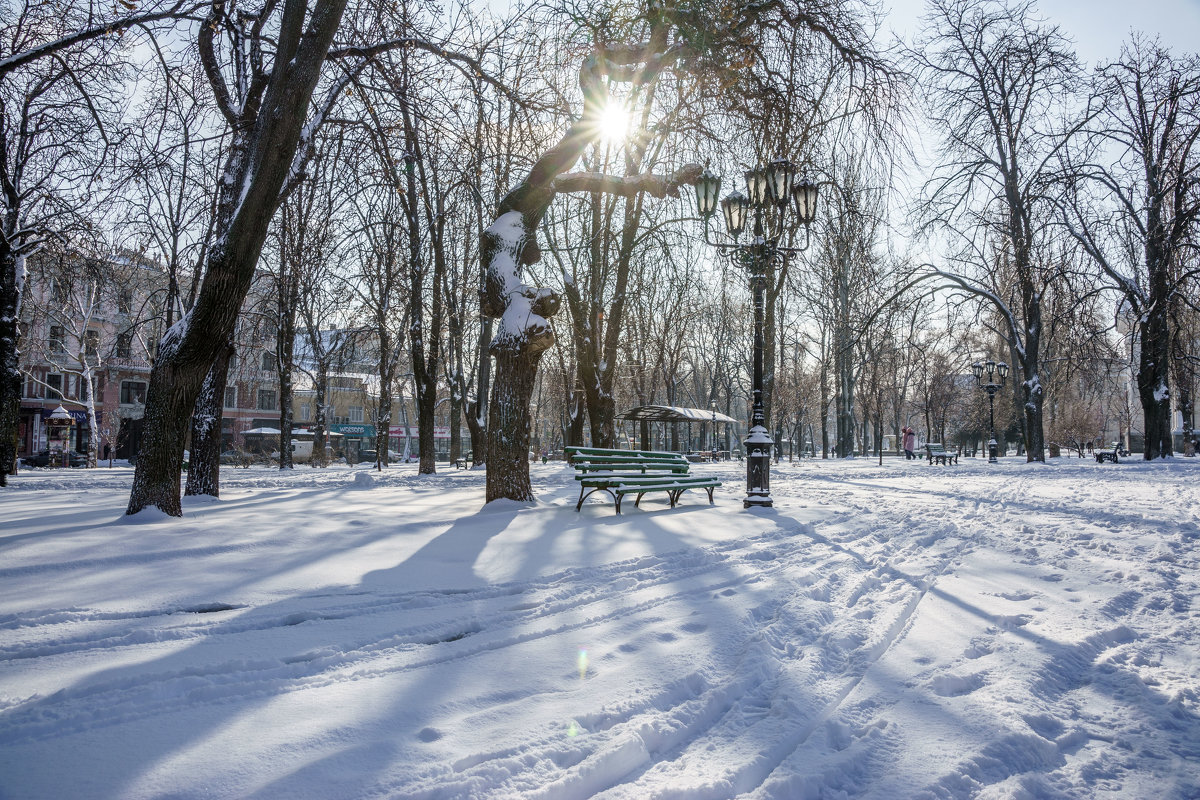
{"x":1033,"y":396}
{"x":174,"y":386}
{"x":476,"y":419}
{"x":508,"y":425}
{"x":1154,"y":382}
{"x":10,"y":367}
{"x":285,"y":345}
{"x":320,"y":426}
{"x":204,"y":463}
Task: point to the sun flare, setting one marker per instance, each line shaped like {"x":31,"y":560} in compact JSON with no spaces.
{"x":613,"y":123}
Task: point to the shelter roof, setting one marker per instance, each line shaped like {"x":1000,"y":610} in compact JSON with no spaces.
{"x":674,"y":414}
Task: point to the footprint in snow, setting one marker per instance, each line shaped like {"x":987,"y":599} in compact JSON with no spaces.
{"x":694,"y":627}
{"x":1008,"y":622}
{"x":956,"y":685}
{"x":429,"y":735}
{"x":978,"y":649}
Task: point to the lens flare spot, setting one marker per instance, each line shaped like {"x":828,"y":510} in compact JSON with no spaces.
{"x":583,"y":663}
{"x":573,"y":729}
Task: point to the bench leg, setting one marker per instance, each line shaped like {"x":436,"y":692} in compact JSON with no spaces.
{"x":710,"y":494}
{"x":585,"y":493}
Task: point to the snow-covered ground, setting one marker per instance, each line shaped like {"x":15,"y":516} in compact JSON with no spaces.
{"x":888,"y":632}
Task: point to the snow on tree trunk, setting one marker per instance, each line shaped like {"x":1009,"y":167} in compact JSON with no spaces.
{"x":523,"y":334}
{"x":204,"y":461}
{"x":1154,"y":385}
{"x":93,"y":454}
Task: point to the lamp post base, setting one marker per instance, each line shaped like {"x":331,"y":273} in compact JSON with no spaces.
{"x":992,"y":449}
{"x":759,"y":445}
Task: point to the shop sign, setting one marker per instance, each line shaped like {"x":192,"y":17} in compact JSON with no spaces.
{"x":439,"y":431}
{"x":80,"y":417}
{"x":353,"y":430}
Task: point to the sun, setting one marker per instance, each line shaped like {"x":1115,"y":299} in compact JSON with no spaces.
{"x":613,"y":123}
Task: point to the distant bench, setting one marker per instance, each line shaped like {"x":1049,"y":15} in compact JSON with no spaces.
{"x":1111,"y":454}
{"x":936,"y":454}
{"x":636,"y":472}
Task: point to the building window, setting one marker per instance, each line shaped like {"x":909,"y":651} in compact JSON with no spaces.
{"x":356,"y":413}
{"x":231,"y":397}
{"x":305,"y":412}
{"x":268,"y":362}
{"x":58,"y":339}
{"x":266,"y":399}
{"x":125,"y":345}
{"x":125,"y":301}
{"x":54,"y":384}
{"x":133,"y":392}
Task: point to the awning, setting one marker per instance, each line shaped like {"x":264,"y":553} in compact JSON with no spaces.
{"x":261,"y":432}
{"x":674,"y":414}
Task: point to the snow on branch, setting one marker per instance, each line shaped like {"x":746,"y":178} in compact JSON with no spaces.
{"x":659,"y":186}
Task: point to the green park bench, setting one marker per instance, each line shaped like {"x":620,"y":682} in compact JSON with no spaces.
{"x":636,"y":472}
{"x":935,"y":453}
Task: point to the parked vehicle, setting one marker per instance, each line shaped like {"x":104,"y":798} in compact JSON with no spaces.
{"x":42,"y":459}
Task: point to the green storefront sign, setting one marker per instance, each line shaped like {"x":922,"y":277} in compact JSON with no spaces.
{"x":354,"y":431}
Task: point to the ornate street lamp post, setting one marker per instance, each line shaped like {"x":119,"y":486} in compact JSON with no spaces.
{"x":770,"y":190}
{"x":992,"y":369}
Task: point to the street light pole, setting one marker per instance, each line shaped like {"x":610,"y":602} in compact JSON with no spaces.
{"x":770,"y":185}
{"x":993,"y":369}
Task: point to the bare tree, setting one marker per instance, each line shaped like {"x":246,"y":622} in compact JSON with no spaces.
{"x":59,"y":120}
{"x":998,"y":82}
{"x":1136,"y":217}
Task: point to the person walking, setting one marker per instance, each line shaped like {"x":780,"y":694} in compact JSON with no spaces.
{"x":910,"y":443}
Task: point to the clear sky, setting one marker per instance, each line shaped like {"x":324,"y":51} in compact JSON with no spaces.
{"x":1099,"y":26}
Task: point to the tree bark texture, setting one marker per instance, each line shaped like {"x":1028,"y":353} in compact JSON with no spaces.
{"x":204,"y":461}
{"x":508,"y":424}
{"x":10,"y":368}
{"x":1153,"y":380}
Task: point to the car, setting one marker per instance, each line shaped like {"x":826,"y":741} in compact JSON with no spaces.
{"x":42,"y":459}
